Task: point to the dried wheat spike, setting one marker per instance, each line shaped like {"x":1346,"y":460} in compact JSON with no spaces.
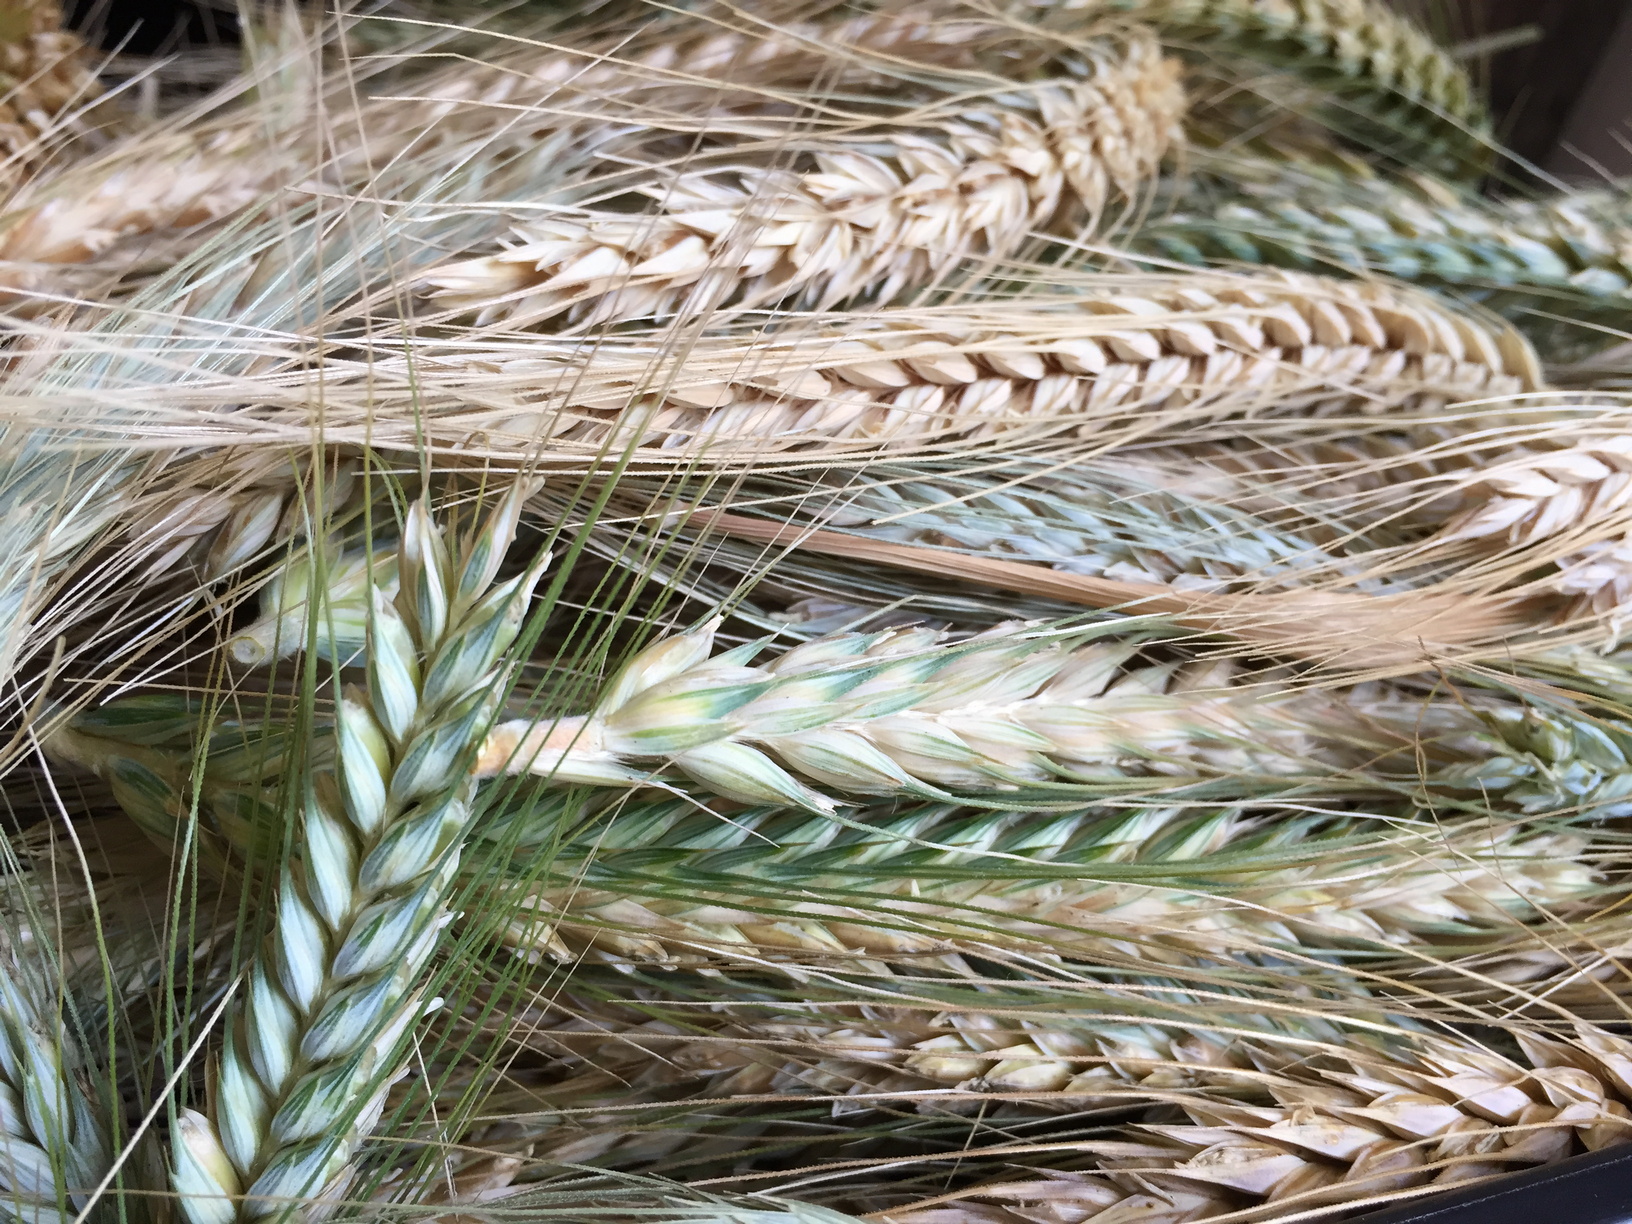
{"x":1396,"y":88}
{"x":1320,"y":1113}
{"x":43,"y":76}
{"x":668,"y":885}
{"x":871,"y":217}
{"x":108,"y":209}
{"x":1274,"y":343}
{"x":1530,"y":496}
{"x":1453,"y":1112}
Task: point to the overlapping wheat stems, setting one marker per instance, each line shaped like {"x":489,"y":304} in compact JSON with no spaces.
{"x":55,"y":1149}
{"x":1564,"y":254}
{"x":663,"y":883}
{"x":307,"y":1055}
{"x":871,"y":216}
{"x":1394,"y":86}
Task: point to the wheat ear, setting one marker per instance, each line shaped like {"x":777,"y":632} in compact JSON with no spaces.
{"x":1365,"y":1126}
{"x":43,"y":77}
{"x":305,"y":1057}
{"x":665,"y":884}
{"x":1102,"y":353}
{"x":875,"y":217}
{"x":54,"y":1147}
{"x":897,"y":713}
{"x":1397,"y":89}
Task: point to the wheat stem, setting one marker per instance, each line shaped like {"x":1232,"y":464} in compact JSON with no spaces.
{"x":307,"y":1056}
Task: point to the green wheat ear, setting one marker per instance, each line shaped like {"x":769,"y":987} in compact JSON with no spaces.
{"x":310,"y":1049}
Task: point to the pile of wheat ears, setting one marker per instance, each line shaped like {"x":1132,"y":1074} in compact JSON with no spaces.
{"x":911,"y":611}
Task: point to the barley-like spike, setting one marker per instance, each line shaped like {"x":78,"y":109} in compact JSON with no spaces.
{"x":1449,"y":1113}
{"x":874,"y":217}
{"x":896,"y":713}
{"x":666,"y":883}
{"x":306,"y":1058}
{"x":1099,"y":353}
{"x":1564,"y":253}
{"x":1396,"y":88}
{"x":54,"y":1146}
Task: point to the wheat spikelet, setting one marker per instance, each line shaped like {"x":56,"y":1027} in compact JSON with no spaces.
{"x":1397,"y":89}
{"x":668,"y":885}
{"x":359,"y":911}
{"x":875,"y":216}
{"x":1453,"y":1113}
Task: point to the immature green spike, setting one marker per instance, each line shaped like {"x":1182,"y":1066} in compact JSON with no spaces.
{"x":666,"y":883}
{"x":384,"y":801}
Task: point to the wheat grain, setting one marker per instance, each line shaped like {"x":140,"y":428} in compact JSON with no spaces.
{"x":1454,"y":1113}
{"x":874,"y":217}
{"x":358,"y":913}
{"x":1397,"y":89}
{"x":668,"y":885}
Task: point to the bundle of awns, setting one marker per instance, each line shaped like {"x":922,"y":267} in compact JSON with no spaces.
{"x":921,"y":611}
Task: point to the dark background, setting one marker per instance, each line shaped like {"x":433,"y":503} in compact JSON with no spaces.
{"x":1560,"y":102}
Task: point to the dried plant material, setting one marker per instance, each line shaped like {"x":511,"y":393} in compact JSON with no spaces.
{"x":1454,"y":1113}
{"x":1393,"y":86}
{"x":874,"y":217}
{"x":1138,"y":354}
{"x":44,"y":77}
{"x":665,"y":884}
